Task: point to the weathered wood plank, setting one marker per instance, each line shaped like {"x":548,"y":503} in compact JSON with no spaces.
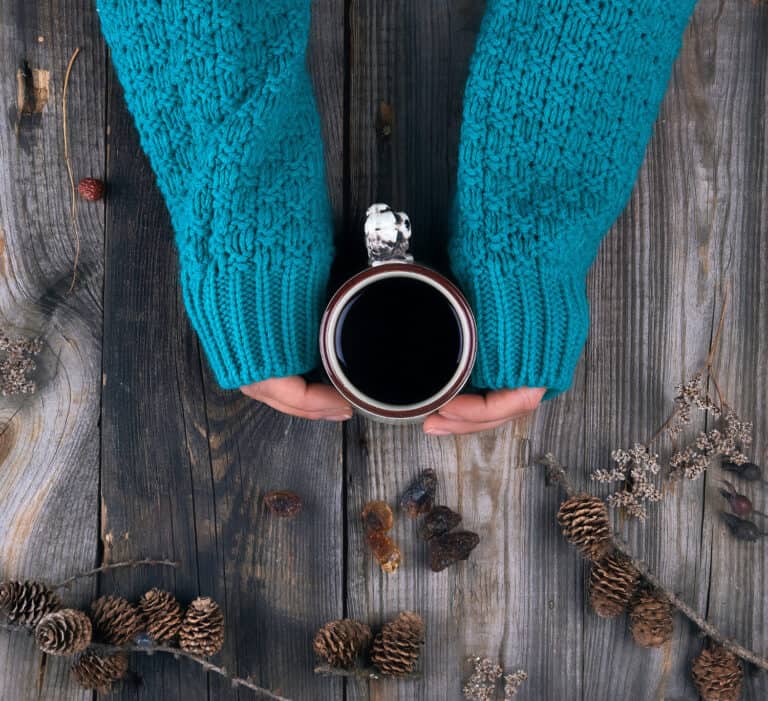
{"x":504,"y":602}
{"x":50,"y":442}
{"x":185,"y":465}
{"x":656,"y":291}
{"x":735,"y":95}
{"x":284,"y":579}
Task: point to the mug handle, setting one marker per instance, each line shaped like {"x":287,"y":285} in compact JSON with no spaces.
{"x":387,"y":235}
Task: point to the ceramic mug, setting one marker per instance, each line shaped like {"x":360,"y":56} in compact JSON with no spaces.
{"x":397,"y":327}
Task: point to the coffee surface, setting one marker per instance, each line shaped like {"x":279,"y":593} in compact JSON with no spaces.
{"x":399,"y":340}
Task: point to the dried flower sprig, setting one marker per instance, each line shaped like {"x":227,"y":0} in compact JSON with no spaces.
{"x":556,"y":474}
{"x":723,"y":442}
{"x":513,"y":682}
{"x":634,"y":468}
{"x":637,"y":468}
{"x":17,"y":364}
{"x":481,"y":686}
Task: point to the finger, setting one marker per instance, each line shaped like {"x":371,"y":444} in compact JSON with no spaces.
{"x":314,"y":415}
{"x":295,"y":392}
{"x":437,"y":426}
{"x":495,"y":406}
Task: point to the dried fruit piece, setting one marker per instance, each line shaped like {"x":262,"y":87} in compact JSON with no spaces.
{"x":741,"y":528}
{"x":747,"y":470}
{"x":420,"y":494}
{"x":385,"y":551}
{"x":451,"y":547}
{"x":91,"y":189}
{"x":377,"y":516}
{"x":283,"y":504}
{"x":438,"y":521}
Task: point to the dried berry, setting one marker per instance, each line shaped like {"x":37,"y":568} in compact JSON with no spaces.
{"x":283,"y":504}
{"x":740,"y":504}
{"x":91,"y":189}
{"x":741,"y":528}
{"x":420,"y":495}
{"x":448,"y":548}
{"x":385,"y":551}
{"x":748,"y":470}
{"x":377,"y":516}
{"x":438,"y":521}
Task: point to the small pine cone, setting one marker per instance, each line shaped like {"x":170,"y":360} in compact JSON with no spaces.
{"x":64,"y":632}
{"x":650,"y":618}
{"x":396,"y":649}
{"x":612,"y":583}
{"x":116,"y":620}
{"x":91,"y":189}
{"x":202,"y":630}
{"x":162,"y":614}
{"x":27,"y":602}
{"x":98,"y":672}
{"x":340,"y":642}
{"x":584,"y":521}
{"x":717,"y":674}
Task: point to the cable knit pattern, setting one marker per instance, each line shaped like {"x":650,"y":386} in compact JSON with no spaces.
{"x":558,"y":110}
{"x":225,"y":111}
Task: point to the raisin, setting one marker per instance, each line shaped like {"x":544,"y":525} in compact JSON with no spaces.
{"x":385,"y":551}
{"x":451,"y":547}
{"x":283,"y":504}
{"x":420,"y":495}
{"x":438,"y":521}
{"x":377,"y":516}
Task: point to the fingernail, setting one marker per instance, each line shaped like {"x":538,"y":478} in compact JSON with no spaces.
{"x":338,"y":417}
{"x":437,"y":432}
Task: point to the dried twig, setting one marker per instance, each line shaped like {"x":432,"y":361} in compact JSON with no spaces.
{"x":705,"y":370}
{"x":357,"y":672}
{"x":73,"y":189}
{"x":67,"y":583}
{"x":556,"y":474}
{"x":177,"y":652}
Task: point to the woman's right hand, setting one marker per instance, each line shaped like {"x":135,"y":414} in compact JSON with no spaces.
{"x":296,"y":397}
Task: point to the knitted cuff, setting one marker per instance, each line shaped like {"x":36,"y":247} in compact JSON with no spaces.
{"x":532,"y":321}
{"x":259,"y":319}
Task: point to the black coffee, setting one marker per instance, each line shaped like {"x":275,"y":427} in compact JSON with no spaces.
{"x":399,"y":340}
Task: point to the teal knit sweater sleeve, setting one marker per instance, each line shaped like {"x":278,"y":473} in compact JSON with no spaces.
{"x":558,"y":110}
{"x":225,"y":111}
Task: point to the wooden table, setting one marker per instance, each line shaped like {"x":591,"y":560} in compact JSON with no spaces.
{"x":130,"y":450}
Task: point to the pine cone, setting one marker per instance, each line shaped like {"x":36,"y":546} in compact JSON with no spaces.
{"x":27,"y":602}
{"x":202,"y":630}
{"x":63,"y":632}
{"x":397,"y":647}
{"x":650,"y":618}
{"x":116,"y":620}
{"x":340,"y":642}
{"x":717,"y":674}
{"x":584,"y":521}
{"x":96,"y":672}
{"x":91,"y":189}
{"x":162,"y":614}
{"x":612,"y":582}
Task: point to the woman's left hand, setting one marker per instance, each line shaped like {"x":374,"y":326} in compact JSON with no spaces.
{"x":470,"y":413}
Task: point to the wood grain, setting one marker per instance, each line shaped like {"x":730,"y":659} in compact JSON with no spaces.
{"x":50,"y":441}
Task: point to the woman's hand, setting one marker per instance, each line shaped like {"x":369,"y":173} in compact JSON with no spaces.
{"x":294,"y":396}
{"x":470,"y":413}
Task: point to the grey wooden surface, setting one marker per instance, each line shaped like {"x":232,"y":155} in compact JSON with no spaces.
{"x":129,"y":449}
